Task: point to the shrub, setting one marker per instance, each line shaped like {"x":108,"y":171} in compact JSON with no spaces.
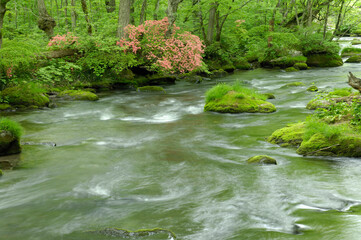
{"x":315,"y":44}
{"x":68,"y":40}
{"x":7,"y":124}
{"x":180,"y":52}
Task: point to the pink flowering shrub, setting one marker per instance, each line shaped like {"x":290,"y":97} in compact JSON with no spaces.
{"x":180,"y":52}
{"x":63,"y":41}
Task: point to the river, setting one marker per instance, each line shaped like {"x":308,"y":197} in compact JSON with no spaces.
{"x":145,"y":160}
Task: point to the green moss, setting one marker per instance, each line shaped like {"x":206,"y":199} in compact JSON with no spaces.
{"x":242,"y":64}
{"x":355,"y":42}
{"x":346,"y":52}
{"x":292,"y":135}
{"x":341,"y":92}
{"x":301,"y":66}
{"x":4,"y":106}
{"x":11,"y":126}
{"x":324,"y":60}
{"x":312,"y":88}
{"x":1,"y":173}
{"x":294,"y":84}
{"x":228,"y":68}
{"x":318,"y":103}
{"x":150,"y":89}
{"x":354,"y":59}
{"x":25,"y":95}
{"x":234,"y":102}
{"x":287,"y":61}
{"x":79,"y":95}
{"x":262,"y":159}
{"x":291,"y":69}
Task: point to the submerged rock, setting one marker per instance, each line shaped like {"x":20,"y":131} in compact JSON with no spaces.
{"x":293,"y":84}
{"x":78,"y":95}
{"x":269,"y":95}
{"x":123,"y":233}
{"x":301,"y":66}
{"x":150,"y":89}
{"x":291,"y":69}
{"x":312,"y":88}
{"x":262,"y":159}
{"x":324,"y":60}
{"x":1,"y":172}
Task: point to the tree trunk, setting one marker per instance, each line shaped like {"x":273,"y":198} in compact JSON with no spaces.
{"x":2,"y":14}
{"x":66,"y":14}
{"x":326,"y":18}
{"x":156,"y":8}
{"x":73,"y":16}
{"x":131,"y":18}
{"x":123,"y":17}
{"x":172,"y":14}
{"x":211,"y":23}
{"x":45,"y":21}
{"x":85,"y":11}
{"x":339,"y":15}
{"x":110,"y":5}
{"x":143,"y":16}
{"x":354,"y":82}
{"x":272,"y":24}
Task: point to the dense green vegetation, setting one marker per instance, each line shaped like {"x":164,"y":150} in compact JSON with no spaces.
{"x":13,"y":127}
{"x":77,"y":44}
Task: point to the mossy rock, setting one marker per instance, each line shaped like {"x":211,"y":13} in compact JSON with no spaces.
{"x":287,"y":61}
{"x":232,"y":103}
{"x":354,"y":59}
{"x":78,"y":95}
{"x":301,"y":66}
{"x":4,"y":106}
{"x":9,"y":144}
{"x":219,"y":73}
{"x":158,"y":79}
{"x":324,"y":60}
{"x":262,"y":159}
{"x":242,"y":64}
{"x":293,"y":84}
{"x":193,"y":79}
{"x":291,"y":69}
{"x":312,"y":88}
{"x":269,"y":95}
{"x":347,"y":52}
{"x":1,"y":173}
{"x":346,"y":145}
{"x":229,"y":68}
{"x":341,"y":92}
{"x":289,"y":136}
{"x":355,"y":42}
{"x":150,"y":89}
{"x":318,"y":103}
{"x":25,"y":95}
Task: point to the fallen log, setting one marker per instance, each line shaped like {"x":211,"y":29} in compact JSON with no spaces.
{"x":354,"y":82}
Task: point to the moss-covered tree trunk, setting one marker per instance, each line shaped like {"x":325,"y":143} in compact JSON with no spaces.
{"x":143,"y":15}
{"x":45,"y":22}
{"x":2,"y":15}
{"x":110,"y":5}
{"x":123,"y":17}
{"x":211,"y":23}
{"x":172,"y":14}
{"x":156,"y":9}
{"x":73,"y":16}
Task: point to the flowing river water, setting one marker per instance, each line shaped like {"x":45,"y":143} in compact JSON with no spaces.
{"x":136,"y":160}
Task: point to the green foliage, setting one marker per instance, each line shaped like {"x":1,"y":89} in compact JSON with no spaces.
{"x":313,"y":43}
{"x":7,"y":124}
{"x":18,"y":60}
{"x":314,"y":125}
{"x":221,"y":89}
{"x":342,"y":92}
{"x":25,"y":94}
{"x":58,"y":72}
{"x":102,"y":56}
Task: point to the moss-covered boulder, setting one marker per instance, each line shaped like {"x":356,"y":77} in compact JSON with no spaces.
{"x":269,"y":95}
{"x":229,"y":68}
{"x":293,"y":84}
{"x":78,"y":95}
{"x":354,"y":59}
{"x":10,"y":133}
{"x":262,"y":159}
{"x":301,"y":66}
{"x":347,"y":52}
{"x":5,"y":106}
{"x":236,"y":99}
{"x":26,"y":95}
{"x":355,"y":42}
{"x":291,"y":135}
{"x":318,"y":103}
{"x":324,"y":60}
{"x":150,"y":89}
{"x":242,"y":64}
{"x":346,"y":145}
{"x":287,"y":61}
{"x":1,"y":172}
{"x":291,"y":69}
{"x":312,"y":88}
